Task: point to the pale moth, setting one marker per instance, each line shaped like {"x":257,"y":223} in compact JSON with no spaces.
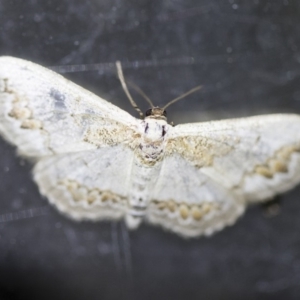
{"x":94,"y":161}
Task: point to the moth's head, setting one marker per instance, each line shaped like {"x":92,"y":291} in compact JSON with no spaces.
{"x":156,"y":113}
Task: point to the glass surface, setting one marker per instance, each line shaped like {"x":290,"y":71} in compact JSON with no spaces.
{"x":246,"y":54}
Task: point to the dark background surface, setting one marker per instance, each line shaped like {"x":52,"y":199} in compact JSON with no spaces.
{"x":247,"y":56}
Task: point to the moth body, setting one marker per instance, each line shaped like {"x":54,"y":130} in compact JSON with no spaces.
{"x":146,"y":168}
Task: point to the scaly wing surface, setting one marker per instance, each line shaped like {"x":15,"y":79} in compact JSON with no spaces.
{"x":212,"y":170}
{"x":42,"y":113}
{"x":91,"y":185}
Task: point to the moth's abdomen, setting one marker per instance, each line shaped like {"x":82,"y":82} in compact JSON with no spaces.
{"x":145,"y":171}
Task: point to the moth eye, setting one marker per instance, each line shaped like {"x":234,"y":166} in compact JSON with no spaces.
{"x":165,"y":113}
{"x":148,"y":112}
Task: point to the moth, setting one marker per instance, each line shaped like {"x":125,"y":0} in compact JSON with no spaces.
{"x":94,"y":161}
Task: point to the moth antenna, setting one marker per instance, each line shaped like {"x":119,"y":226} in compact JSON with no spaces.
{"x":183,"y":95}
{"x":123,"y":83}
{"x":139,"y":90}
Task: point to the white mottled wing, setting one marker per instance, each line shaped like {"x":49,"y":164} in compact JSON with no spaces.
{"x":211,"y":170}
{"x":256,"y":157}
{"x":87,"y":185}
{"x":43,"y":113}
{"x":189,"y":202}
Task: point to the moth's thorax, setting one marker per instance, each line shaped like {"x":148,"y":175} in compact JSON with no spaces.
{"x":149,"y":149}
{"x":154,"y":130}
